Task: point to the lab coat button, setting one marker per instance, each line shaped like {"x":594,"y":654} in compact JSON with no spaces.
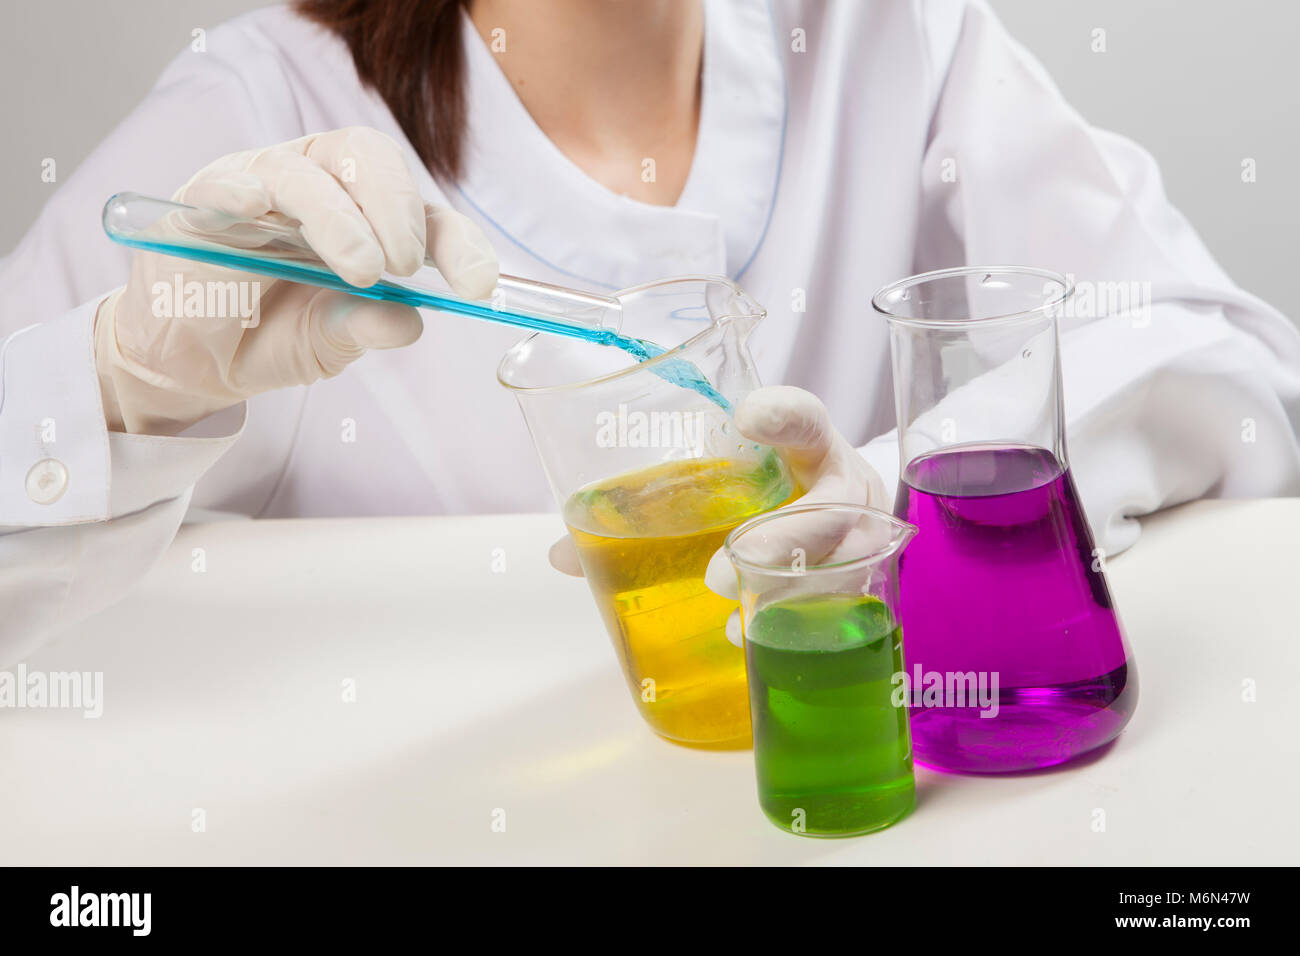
{"x":46,"y":481}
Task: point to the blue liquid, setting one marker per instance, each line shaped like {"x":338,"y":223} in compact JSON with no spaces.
{"x":676,"y":371}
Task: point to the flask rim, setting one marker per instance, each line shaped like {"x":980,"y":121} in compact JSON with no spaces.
{"x":1049,"y":308}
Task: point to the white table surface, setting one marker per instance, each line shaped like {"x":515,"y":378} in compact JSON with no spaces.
{"x":481,"y":690}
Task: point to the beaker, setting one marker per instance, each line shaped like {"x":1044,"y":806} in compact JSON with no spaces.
{"x":1015,"y":653}
{"x":651,"y":475}
{"x":824,"y":651}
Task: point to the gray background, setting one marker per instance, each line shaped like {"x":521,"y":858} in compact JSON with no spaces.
{"x":1201,"y":83}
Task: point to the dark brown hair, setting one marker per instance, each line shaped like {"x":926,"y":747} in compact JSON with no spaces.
{"x":408,"y":51}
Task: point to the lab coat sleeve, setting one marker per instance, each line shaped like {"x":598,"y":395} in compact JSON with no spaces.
{"x":84,"y":512}
{"x":1177,"y":384}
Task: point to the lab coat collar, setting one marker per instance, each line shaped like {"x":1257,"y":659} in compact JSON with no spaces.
{"x":546,"y":207}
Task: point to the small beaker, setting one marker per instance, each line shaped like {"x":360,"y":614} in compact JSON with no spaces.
{"x":824,"y":654}
{"x":1016,"y":656}
{"x":651,"y":475}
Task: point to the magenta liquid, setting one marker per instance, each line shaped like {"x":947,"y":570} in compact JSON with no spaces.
{"x":1000,"y":579}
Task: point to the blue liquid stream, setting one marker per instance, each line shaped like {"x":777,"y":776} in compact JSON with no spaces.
{"x":676,"y":371}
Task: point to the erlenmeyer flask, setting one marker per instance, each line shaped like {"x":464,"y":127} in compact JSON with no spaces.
{"x":1015,"y":655}
{"x":651,"y":475}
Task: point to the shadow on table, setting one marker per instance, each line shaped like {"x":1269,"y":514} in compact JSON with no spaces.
{"x":569,"y":776}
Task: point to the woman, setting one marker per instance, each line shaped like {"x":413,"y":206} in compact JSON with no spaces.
{"x":811,"y":151}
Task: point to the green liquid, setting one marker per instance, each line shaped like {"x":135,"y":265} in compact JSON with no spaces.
{"x":833,"y":753}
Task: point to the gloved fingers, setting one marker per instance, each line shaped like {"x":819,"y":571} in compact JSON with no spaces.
{"x":720,"y":576}
{"x":831,"y":471}
{"x":461,"y":252}
{"x":304,"y":334}
{"x":330,"y":220}
{"x":564,"y":557}
{"x":261,"y":183}
{"x":846,"y":476}
{"x":791,"y":546}
{"x":796,"y":541}
{"x":373,"y":171}
{"x":820,"y":537}
{"x":343,"y":326}
{"x":792,"y":420}
{"x":798,"y":425}
{"x":225,"y":188}
{"x":358,"y":206}
{"x":349,"y":188}
{"x":734,"y":628}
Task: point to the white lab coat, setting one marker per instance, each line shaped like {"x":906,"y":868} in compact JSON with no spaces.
{"x":841,"y":146}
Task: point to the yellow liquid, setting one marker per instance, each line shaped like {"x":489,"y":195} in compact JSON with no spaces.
{"x":645,"y":539}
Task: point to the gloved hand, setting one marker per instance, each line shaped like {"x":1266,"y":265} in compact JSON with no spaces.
{"x":359,"y":209}
{"x":826,"y":465}
{"x":798,"y":426}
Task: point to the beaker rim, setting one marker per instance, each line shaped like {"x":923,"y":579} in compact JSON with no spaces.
{"x":1046,"y":308}
{"x":758,"y":313}
{"x":903,"y":532}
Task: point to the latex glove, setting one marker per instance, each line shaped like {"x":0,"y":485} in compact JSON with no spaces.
{"x":826,"y":465}
{"x":359,"y":209}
